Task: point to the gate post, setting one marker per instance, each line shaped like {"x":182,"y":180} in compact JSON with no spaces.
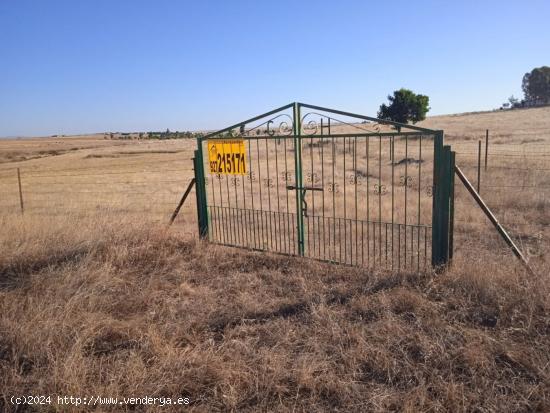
{"x":452,"y":206}
{"x":200,"y":191}
{"x":443,"y":203}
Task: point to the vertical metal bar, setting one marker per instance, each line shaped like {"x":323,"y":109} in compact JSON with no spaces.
{"x":486,"y":147}
{"x":312,"y":194}
{"x":269,"y":193}
{"x":229,"y":217}
{"x":419,"y":192}
{"x":386,"y":241}
{"x":202,"y":211}
{"x":238,"y":224}
{"x":279,"y":231}
{"x":20,"y":192}
{"x":261,"y":229}
{"x":294,"y":227}
{"x":392,"y":139}
{"x":245,"y":226}
{"x":221,"y":210}
{"x":333,"y":197}
{"x":288,"y":216}
{"x":340,"y":236}
{"x":205,"y":217}
{"x":345,"y":207}
{"x":323,"y":192}
{"x":425,"y":247}
{"x":351,"y":235}
{"x":412,"y":244}
{"x":250,"y":176}
{"x":478,"y":166}
{"x":363,"y":242}
{"x":298,"y":172}
{"x":452,"y":205}
{"x":406,"y":185}
{"x":437,"y":203}
{"x":215,"y":232}
{"x":380,"y":199}
{"x":367,"y":145}
{"x":445,"y":196}
{"x":374,"y":243}
{"x":398,"y":247}
{"x":355,"y":182}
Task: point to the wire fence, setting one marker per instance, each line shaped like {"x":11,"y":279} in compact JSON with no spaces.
{"x":151,"y":193}
{"x":514,"y":181}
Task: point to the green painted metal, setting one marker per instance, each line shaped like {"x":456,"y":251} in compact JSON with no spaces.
{"x":436,"y":201}
{"x":232,"y":210}
{"x":381,"y":121}
{"x":200,"y":191}
{"x":452,"y":206}
{"x":298,"y":177}
{"x":445,"y":204}
{"x":263,"y":115}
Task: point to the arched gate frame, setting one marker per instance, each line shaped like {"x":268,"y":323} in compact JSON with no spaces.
{"x":330,"y":185}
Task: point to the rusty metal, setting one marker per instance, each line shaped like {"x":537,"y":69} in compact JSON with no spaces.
{"x":182,"y":201}
{"x":500,"y":229}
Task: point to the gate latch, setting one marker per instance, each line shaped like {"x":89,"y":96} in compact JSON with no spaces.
{"x":304,"y":189}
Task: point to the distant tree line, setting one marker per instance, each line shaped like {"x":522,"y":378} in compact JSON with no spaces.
{"x":171,"y":135}
{"x":154,"y":135}
{"x":536,"y":90}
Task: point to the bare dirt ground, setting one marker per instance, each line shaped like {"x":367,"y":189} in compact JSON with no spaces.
{"x":98,"y":298}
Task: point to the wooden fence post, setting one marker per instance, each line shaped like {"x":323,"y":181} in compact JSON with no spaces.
{"x":20,"y":191}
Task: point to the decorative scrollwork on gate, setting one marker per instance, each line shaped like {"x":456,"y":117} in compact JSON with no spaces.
{"x":406,"y":181}
{"x":380,"y":189}
{"x":283,"y":128}
{"x":310,"y":127}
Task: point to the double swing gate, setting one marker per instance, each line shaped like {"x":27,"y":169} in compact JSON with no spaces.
{"x":329,"y":185}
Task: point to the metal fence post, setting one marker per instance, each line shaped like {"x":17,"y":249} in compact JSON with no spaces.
{"x":452,"y":205}
{"x":478,"y":166}
{"x":443,"y":203}
{"x":486,"y":147}
{"x":200,"y":191}
{"x":436,"y":200}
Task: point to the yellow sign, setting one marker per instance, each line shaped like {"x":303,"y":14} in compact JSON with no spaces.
{"x":227,"y":156}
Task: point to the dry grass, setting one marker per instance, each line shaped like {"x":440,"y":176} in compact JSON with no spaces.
{"x":96,"y":297}
{"x":116,"y":309}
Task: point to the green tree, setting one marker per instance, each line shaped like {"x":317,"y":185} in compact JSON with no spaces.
{"x":405,"y":106}
{"x":536,"y":84}
{"x":514,"y":101}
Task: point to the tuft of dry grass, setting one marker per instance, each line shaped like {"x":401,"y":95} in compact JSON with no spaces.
{"x":119,"y":308}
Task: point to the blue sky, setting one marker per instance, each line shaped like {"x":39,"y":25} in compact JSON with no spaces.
{"x":92,"y":66}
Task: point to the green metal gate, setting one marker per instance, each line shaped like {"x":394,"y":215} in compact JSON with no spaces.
{"x":329,"y":185}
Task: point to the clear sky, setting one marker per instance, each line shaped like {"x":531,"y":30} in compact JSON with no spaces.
{"x":91,"y":66}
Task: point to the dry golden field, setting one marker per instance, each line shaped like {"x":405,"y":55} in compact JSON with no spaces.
{"x":98,"y":297}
